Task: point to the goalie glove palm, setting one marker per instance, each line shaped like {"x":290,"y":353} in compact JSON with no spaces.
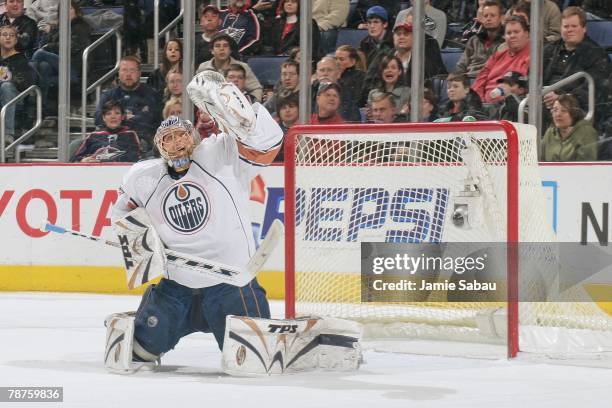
{"x":224,"y":102}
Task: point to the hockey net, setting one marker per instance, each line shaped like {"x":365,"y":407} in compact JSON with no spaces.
{"x":397,"y":183}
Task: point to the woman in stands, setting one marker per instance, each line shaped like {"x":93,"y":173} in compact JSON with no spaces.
{"x":352,"y":69}
{"x":172,"y":59}
{"x":173,"y":107}
{"x":570,"y":137}
{"x":174,"y":85}
{"x":390,"y":79}
{"x":46,"y":59}
{"x":286,"y":30}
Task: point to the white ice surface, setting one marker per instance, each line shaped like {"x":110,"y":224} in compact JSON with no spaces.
{"x":58,"y":340}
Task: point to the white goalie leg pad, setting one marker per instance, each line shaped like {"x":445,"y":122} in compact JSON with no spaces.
{"x":142,"y":248}
{"x":120,"y":346}
{"x":255,"y":346}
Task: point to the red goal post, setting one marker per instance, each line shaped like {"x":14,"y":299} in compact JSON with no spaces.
{"x":302,"y":138}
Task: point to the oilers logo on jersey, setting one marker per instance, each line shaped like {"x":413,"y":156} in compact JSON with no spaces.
{"x":186,"y":207}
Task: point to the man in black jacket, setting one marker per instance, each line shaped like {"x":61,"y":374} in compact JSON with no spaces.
{"x":26,"y":27}
{"x":379,"y":36}
{"x":576,"y":52}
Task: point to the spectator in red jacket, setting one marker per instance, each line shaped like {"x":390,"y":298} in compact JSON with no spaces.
{"x":514,"y":58}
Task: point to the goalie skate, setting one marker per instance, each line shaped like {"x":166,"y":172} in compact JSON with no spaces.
{"x":224,"y":102}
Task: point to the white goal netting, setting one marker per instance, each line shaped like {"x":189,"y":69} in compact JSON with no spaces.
{"x":401,"y":185}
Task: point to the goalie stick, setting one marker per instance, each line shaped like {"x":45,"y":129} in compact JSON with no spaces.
{"x":217,"y":271}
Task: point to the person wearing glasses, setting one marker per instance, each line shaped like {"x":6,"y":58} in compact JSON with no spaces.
{"x":570,"y":137}
{"x":15,"y":75}
{"x":288,"y":83}
{"x":27,"y":31}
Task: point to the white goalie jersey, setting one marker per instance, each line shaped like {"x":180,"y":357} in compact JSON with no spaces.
{"x":205,"y":213}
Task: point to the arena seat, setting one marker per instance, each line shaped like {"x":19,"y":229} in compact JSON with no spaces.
{"x":600,"y":31}
{"x":450,"y":57}
{"x":267,"y":69}
{"x":350,"y":36}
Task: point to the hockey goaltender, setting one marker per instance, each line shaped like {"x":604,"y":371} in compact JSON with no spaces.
{"x":185,"y":216}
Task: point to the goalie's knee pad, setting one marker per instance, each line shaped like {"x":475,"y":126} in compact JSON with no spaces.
{"x":255,"y":346}
{"x":123,"y":354}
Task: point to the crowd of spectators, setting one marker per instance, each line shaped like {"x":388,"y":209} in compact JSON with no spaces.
{"x":366,"y":83}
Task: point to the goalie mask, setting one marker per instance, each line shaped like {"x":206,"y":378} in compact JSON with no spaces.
{"x":176,"y":139}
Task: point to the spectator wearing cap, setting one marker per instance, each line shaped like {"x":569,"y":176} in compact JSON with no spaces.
{"x":379,"y":37}
{"x":488,"y":41}
{"x":240,"y":23}
{"x":328,"y":71}
{"x":328,"y":103}
{"x":434,"y":21}
{"x":209,"y":24}
{"x":27,"y":29}
{"x":222,"y":45}
{"x":359,"y":18}
{"x":285,"y":31}
{"x":570,"y":137}
{"x":330,"y":16}
{"x":462,"y":101}
{"x":287,"y":84}
{"x":514,"y":58}
{"x":513,"y":87}
{"x":576,"y":52}
{"x":402,"y":48}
